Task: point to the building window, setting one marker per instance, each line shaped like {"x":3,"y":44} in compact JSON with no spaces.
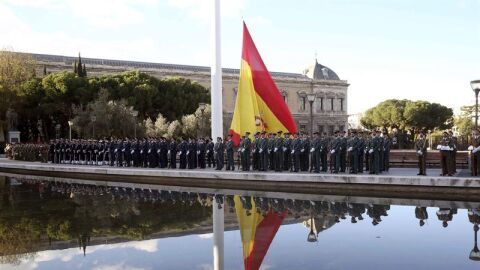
{"x":321,"y":104}
{"x":303,"y":103}
{"x":331,"y":104}
{"x":341,"y":104}
{"x":341,"y":128}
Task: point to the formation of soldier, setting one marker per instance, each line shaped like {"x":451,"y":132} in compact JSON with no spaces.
{"x":447,"y":146}
{"x":278,"y":152}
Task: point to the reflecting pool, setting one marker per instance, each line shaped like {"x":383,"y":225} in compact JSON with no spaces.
{"x":51,"y":223}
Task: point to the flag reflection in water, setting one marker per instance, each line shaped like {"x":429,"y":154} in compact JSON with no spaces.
{"x":257,"y":230}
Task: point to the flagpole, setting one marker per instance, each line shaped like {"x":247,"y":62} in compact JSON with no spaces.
{"x":217,"y":129}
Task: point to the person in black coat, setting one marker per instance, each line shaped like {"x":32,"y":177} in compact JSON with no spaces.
{"x":201,"y":151}
{"x":191,"y":154}
{"x":163,"y":145}
{"x":183,"y":149}
{"x":210,"y":153}
{"x":219,"y":149}
{"x":172,"y":150}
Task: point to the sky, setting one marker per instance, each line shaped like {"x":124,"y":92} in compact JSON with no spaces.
{"x":419,"y":50}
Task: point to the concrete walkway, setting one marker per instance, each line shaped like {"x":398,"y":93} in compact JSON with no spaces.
{"x":397,"y":181}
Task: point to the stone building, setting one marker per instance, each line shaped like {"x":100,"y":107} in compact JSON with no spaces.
{"x":329,"y":108}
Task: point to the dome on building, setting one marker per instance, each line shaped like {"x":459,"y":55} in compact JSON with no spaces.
{"x":320,"y":72}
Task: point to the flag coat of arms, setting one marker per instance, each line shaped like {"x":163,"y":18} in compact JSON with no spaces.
{"x":259,"y":105}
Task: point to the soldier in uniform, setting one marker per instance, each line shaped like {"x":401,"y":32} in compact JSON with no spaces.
{"x":474,"y":149}
{"x":324,"y":152}
{"x":271,"y":152}
{"x":421,"y":214}
{"x":172,"y":153}
{"x":230,"y":151}
{"x":374,"y":153}
{"x":361,"y":153}
{"x":446,"y":147}
{"x":387,"y":145}
{"x":245,"y":146}
{"x":381,"y":151}
{"x":191,"y":153}
{"x":296,"y":147}
{"x":183,"y":149}
{"x":263,"y":152}
{"x":335,"y":153}
{"x":454,"y":140}
{"x":421,"y":148}
{"x":219,"y":150}
{"x":316,"y":152}
{"x":278,"y":151}
{"x":255,"y":149}
{"x":210,"y":152}
{"x":343,"y":151}
{"x":201,"y":151}
{"x":287,"y":150}
{"x":352,"y":150}
{"x":305,"y":153}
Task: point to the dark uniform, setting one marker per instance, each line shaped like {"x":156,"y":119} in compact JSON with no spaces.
{"x":296,"y":152}
{"x":183,"y":150}
{"x":446,"y":147}
{"x":287,"y":152}
{"x":263,"y":152}
{"x":352,"y":152}
{"x":271,"y":152}
{"x":316,"y":152}
{"x":219,"y":149}
{"x":210,"y":153}
{"x":278,"y":152}
{"x":230,"y":151}
{"x":343,"y":151}
{"x":255,"y":150}
{"x":245,"y":145}
{"x":172,"y":153}
{"x":335,"y":146}
{"x":421,"y":214}
{"x":305,"y":154}
{"x":421,"y":148}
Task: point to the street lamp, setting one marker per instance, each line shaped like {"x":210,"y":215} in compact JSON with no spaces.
{"x":475,"y":253}
{"x":94,"y":118}
{"x":202,"y":107}
{"x":70,"y":124}
{"x":135,"y":114}
{"x":476,"y":88}
{"x":311,"y":98}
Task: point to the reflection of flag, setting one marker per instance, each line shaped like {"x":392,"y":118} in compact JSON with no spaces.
{"x":259,"y":105}
{"x":257,"y":232}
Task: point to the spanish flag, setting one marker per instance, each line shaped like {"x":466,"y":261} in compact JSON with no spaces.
{"x":257,"y":231}
{"x":259,"y":105}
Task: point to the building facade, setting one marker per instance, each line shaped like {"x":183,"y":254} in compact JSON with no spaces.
{"x":329,"y":107}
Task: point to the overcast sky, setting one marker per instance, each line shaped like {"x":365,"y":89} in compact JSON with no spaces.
{"x":427,"y":49}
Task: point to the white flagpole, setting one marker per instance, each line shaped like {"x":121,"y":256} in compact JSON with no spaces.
{"x":217,"y":129}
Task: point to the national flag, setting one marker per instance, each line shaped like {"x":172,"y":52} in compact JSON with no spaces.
{"x":257,"y":231}
{"x":259,"y":105}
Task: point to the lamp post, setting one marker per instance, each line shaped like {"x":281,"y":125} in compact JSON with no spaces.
{"x":475,"y":253}
{"x":94,"y":119}
{"x":135,"y":114}
{"x":476,"y":88}
{"x":202,"y":107}
{"x":70,"y":124}
{"x":311,"y":98}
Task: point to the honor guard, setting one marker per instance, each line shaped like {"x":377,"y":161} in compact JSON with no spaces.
{"x":263,"y":152}
{"x":343,"y":151}
{"x":305,"y":153}
{"x":271,"y":152}
{"x":182,"y":153}
{"x":316,"y":152}
{"x":421,"y":148}
{"x":352,"y":152}
{"x":446,"y":147}
{"x":230,"y":153}
{"x":210,"y":153}
{"x":245,"y":146}
{"x":335,"y":153}
{"x":255,"y":149}
{"x":287,"y":152}
{"x":278,"y":151}
{"x":295,"y":152}
{"x":172,"y":153}
{"x":219,"y":149}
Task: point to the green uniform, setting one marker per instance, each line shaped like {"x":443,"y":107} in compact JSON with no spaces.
{"x":296,"y":147}
{"x":343,"y":153}
{"x":230,"y":159}
{"x":421,"y":148}
{"x":335,"y":154}
{"x":245,"y":148}
{"x":446,"y":148}
{"x":374,"y":154}
{"x":352,"y":150}
{"x":278,"y":151}
{"x":287,"y":157}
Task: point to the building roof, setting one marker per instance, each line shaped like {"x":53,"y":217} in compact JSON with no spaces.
{"x":320,"y":72}
{"x":69,"y":60}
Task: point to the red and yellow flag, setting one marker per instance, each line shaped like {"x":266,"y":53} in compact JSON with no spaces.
{"x":257,"y":232}
{"x":259,"y":105}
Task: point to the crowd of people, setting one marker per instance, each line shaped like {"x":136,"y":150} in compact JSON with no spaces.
{"x":278,"y":152}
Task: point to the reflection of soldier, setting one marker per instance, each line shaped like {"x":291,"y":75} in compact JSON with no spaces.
{"x":445,"y":215}
{"x":421,"y":214}
{"x":355,"y":210}
{"x":376,"y":212}
{"x":230,"y":150}
{"x":218,"y":153}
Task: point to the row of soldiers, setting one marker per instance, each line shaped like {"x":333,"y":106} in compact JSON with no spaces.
{"x":321,"y":153}
{"x":147,"y":153}
{"x":275,"y":152}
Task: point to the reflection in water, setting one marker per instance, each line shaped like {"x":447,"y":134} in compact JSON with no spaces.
{"x":44,"y":215}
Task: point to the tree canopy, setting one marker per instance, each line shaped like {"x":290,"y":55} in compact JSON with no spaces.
{"x":407,"y":114}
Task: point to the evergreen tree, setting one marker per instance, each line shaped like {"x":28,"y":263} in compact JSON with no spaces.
{"x":84,"y":71}
{"x":75,"y":67}
{"x":44,"y":70}
{"x":80,"y":66}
